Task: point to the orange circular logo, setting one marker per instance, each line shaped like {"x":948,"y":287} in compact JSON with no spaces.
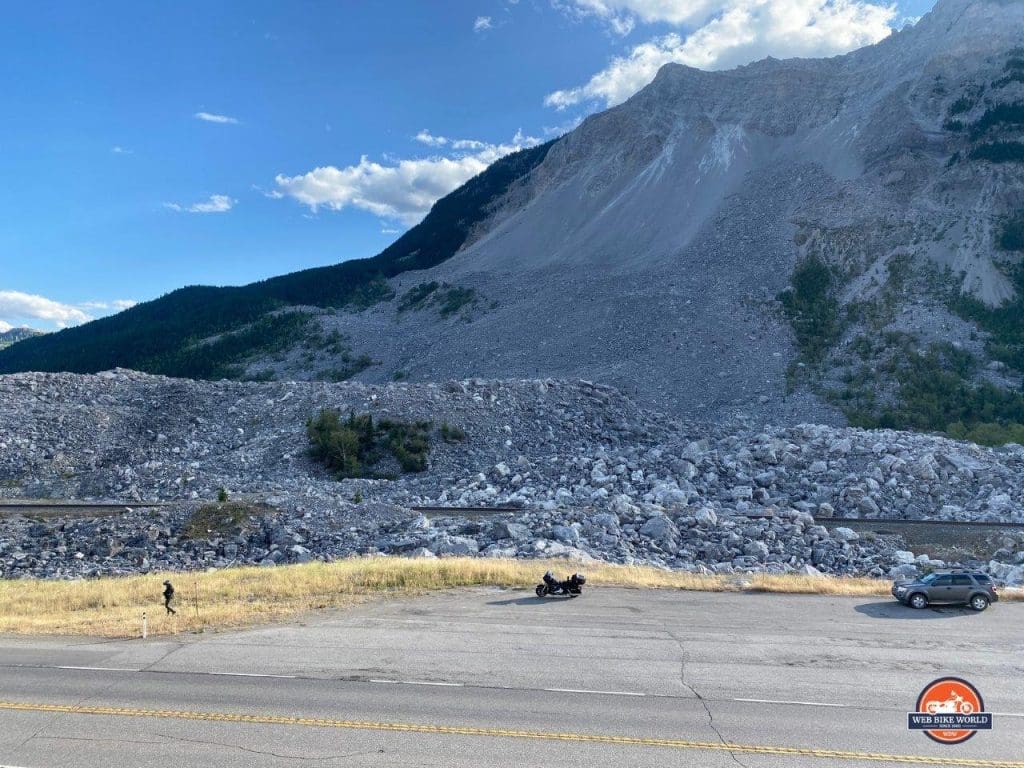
{"x":950,"y":711}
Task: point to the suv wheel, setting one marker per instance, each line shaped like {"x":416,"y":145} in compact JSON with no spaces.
{"x":917,"y":600}
{"x":979,"y":602}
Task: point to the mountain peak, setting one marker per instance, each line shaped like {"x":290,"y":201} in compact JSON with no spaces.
{"x":1001,"y":18}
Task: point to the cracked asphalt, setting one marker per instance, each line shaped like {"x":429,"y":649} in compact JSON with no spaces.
{"x":491,"y":677}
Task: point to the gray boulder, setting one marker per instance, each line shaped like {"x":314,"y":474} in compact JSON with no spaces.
{"x":845,"y":534}
{"x":660,"y":529}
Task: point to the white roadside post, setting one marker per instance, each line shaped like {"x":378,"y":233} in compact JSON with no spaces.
{"x":145,"y":626}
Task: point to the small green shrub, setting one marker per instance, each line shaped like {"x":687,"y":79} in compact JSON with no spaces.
{"x":349,"y":367}
{"x":997,"y":117}
{"x":452,"y":300}
{"x":987,"y":433}
{"x":216,"y":520}
{"x":1013,"y":77}
{"x":264,"y":374}
{"x":335,"y":342}
{"x":408,"y":442}
{"x":448,"y":299}
{"x":1004,"y":324}
{"x":335,"y":444}
{"x":961,"y":105}
{"x":222,"y":495}
{"x":812,"y":309}
{"x":999,"y":152}
{"x":1012,"y":236}
{"x":354,"y":447}
{"x":935,"y":393}
{"x":417,"y":296}
{"x":368,"y":294}
{"x":451,"y":433}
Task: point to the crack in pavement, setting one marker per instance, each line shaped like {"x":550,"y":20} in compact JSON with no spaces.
{"x":105,"y":689}
{"x":699,"y":697}
{"x":95,"y":738}
{"x":267,"y":753}
{"x":149,"y":667}
{"x":39,"y":731}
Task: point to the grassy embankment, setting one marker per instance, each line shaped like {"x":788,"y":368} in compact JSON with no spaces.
{"x":242,"y":597}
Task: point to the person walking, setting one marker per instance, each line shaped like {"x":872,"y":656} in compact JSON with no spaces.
{"x":168,"y":596}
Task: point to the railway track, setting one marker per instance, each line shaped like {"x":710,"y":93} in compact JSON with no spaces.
{"x":826,"y":521}
{"x":82,"y":504}
{"x":80,"y":507}
{"x":467,"y":510}
{"x":49,"y":509}
{"x":900,"y":521}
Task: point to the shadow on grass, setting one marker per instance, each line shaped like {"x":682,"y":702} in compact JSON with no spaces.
{"x":890,"y":609}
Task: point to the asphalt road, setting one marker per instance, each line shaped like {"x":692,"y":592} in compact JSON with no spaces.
{"x":488,"y":678}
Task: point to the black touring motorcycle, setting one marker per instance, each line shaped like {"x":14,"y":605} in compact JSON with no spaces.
{"x":571,"y":587}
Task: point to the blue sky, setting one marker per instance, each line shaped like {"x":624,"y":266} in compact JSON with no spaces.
{"x":146,"y":146}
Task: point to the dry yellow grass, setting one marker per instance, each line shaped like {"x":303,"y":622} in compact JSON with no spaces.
{"x":816,"y":585}
{"x":241,"y":597}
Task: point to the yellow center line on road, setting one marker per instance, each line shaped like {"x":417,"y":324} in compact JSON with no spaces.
{"x":456,"y":730}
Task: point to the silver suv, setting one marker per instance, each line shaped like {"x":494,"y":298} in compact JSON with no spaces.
{"x":972,"y":588}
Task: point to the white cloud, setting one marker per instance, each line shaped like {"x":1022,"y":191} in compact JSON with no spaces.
{"x":119,"y":150}
{"x":5,"y":327}
{"x":116,"y":305}
{"x":627,"y":12}
{"x":426,"y":137}
{"x":482,"y":24}
{"x":401,"y":191}
{"x":19,"y":307}
{"x":209,"y":117}
{"x":468,"y":144}
{"x":215,"y":204}
{"x":727,"y":33}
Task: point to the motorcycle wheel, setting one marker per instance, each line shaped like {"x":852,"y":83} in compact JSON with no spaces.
{"x":541,"y":590}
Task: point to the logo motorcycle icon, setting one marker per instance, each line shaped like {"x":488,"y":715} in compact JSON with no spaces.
{"x":950,"y":711}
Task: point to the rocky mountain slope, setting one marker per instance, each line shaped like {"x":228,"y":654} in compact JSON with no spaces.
{"x":13,"y":335}
{"x":650,"y":247}
{"x":801,"y":240}
{"x":590,"y":473}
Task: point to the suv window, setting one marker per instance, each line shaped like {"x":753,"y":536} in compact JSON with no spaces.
{"x":982,"y":578}
{"x":962,"y":581}
{"x":942,"y":581}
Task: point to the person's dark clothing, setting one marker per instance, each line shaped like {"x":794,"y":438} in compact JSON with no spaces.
{"x":168,"y":596}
